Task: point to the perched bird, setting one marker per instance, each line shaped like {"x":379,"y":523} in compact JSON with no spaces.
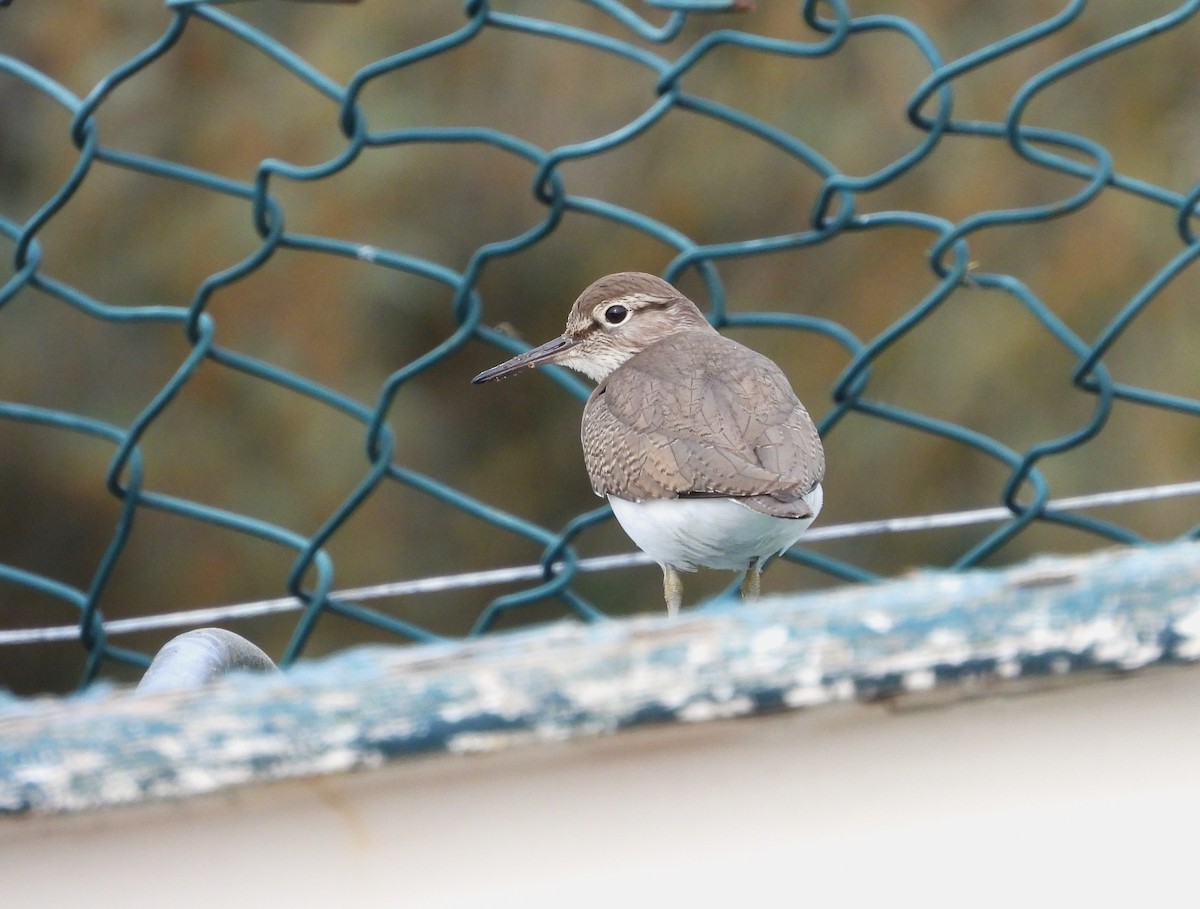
{"x":699,"y":443}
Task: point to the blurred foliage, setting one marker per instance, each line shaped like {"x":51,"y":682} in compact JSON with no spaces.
{"x":229,"y":441}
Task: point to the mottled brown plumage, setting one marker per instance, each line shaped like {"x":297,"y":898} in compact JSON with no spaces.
{"x":682,"y":413}
{"x":699,"y":414}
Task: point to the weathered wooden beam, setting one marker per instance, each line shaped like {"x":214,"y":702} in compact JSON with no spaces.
{"x":928,"y":634}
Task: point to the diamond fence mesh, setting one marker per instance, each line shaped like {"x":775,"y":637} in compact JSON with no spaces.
{"x":257,"y":252}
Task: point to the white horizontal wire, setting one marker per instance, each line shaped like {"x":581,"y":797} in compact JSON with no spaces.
{"x":437,"y":584}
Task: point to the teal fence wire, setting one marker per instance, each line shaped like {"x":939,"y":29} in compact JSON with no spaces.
{"x":257,"y":255}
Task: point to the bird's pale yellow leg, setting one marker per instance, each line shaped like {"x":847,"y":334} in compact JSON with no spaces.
{"x":751,"y":582}
{"x":672,"y":589}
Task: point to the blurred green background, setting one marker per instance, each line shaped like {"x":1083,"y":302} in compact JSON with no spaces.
{"x":213,"y":102}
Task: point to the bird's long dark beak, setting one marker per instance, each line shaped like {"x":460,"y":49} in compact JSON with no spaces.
{"x":549,"y":352}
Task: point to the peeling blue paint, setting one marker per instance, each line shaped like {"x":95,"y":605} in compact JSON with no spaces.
{"x":976,"y":632}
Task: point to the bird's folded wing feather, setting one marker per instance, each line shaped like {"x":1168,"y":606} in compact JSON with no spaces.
{"x":702,"y":416}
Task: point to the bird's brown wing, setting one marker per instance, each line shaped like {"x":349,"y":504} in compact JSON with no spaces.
{"x":698,"y":414}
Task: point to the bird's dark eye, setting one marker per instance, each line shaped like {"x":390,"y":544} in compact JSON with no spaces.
{"x":616,"y":314}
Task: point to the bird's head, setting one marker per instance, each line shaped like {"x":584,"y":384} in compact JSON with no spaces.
{"x":616,"y":317}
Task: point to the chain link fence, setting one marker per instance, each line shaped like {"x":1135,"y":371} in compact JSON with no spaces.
{"x":255,"y":254}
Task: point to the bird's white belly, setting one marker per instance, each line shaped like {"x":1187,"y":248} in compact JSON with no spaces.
{"x":715,"y":533}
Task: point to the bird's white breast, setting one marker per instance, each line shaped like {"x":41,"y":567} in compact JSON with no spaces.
{"x":711,"y":532}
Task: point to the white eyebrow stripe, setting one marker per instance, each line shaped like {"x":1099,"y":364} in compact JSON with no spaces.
{"x":635,"y":298}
